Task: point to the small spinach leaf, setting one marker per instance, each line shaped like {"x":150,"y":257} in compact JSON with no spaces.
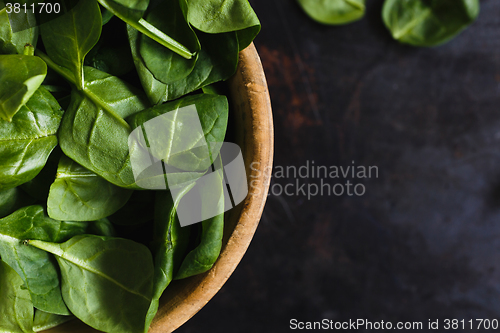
{"x":26,"y":142}
{"x":218,"y":16}
{"x":45,"y":321}
{"x":16,"y":309}
{"x":120,"y":272}
{"x":78,"y":194}
{"x":334,"y":11}
{"x":20,"y":77}
{"x":428,"y":22}
{"x":68,"y":38}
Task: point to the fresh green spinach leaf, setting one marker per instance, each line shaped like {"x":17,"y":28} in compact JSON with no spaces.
{"x":218,"y":16}
{"x":166,"y":65}
{"x":27,"y":141}
{"x":78,"y":194}
{"x":16,"y":309}
{"x":45,"y":321}
{"x":36,"y":267}
{"x":120,"y":272}
{"x":13,"y":42}
{"x":428,"y":22}
{"x":334,"y":11}
{"x":68,"y":38}
{"x":20,"y":77}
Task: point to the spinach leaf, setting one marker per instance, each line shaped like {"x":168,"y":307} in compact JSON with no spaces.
{"x":45,"y":321}
{"x":78,"y":194}
{"x":334,"y":11}
{"x":14,"y":42}
{"x":131,"y":12}
{"x":217,"y":61}
{"x":36,"y":267}
{"x":428,"y":22}
{"x":218,"y":16}
{"x":27,"y":141}
{"x":102,"y":227}
{"x":68,"y":38}
{"x":170,"y":243}
{"x":16,"y":309}
{"x":93,"y":132}
{"x":20,"y":77}
{"x":166,"y":65}
{"x":203,"y":257}
{"x":182,"y":148}
{"x":13,"y":199}
{"x":120,"y":272}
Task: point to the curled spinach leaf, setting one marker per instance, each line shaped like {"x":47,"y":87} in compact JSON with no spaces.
{"x":36,"y":268}
{"x":170,"y":243}
{"x":78,"y":194}
{"x":68,"y":38}
{"x":16,"y":309}
{"x":20,"y":77}
{"x":334,"y":11}
{"x":45,"y":321}
{"x":13,"y":42}
{"x":428,"y":22}
{"x":120,"y":272}
{"x":27,"y":141}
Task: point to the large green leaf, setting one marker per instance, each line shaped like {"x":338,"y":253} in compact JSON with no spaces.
{"x":217,"y":61}
{"x":181,"y":146}
{"x":20,"y":77}
{"x":44,"y":320}
{"x":27,"y":141}
{"x":16,"y":309}
{"x":166,"y":65}
{"x":170,"y":243}
{"x":428,"y":22}
{"x":36,"y":268}
{"x":78,"y":194}
{"x":13,"y":42}
{"x":120,"y":273}
{"x":218,"y":16}
{"x":68,"y":38}
{"x":334,"y":11}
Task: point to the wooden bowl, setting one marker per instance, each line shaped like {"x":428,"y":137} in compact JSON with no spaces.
{"x":251,"y":115}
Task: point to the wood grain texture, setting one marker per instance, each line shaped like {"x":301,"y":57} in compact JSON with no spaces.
{"x":251,"y":115}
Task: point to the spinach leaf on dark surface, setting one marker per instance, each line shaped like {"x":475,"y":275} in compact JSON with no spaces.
{"x":20,"y":77}
{"x":16,"y":308}
{"x":120,"y":272}
{"x":44,"y":320}
{"x":428,"y":22}
{"x":68,"y":38}
{"x":166,"y":65}
{"x":334,"y":12}
{"x":27,"y":141}
{"x":78,"y":194}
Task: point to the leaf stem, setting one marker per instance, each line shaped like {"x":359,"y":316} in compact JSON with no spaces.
{"x":58,"y":69}
{"x":154,"y":33}
{"x":29,"y":50}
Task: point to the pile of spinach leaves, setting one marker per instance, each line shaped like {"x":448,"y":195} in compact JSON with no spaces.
{"x":78,"y":237}
{"x":424,"y":23}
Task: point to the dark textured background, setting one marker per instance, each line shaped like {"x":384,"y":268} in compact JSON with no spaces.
{"x":424,"y":241}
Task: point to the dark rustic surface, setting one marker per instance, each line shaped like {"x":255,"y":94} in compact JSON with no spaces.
{"x":424,"y":241}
